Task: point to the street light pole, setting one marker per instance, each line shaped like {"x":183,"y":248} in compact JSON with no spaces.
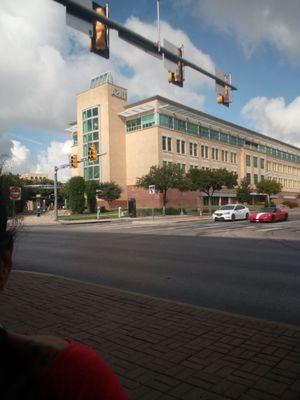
{"x":55,"y":194}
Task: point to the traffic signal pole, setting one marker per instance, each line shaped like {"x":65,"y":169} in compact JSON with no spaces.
{"x":136,"y":39}
{"x":55,"y":194}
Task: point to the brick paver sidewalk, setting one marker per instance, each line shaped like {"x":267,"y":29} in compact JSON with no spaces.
{"x":160,"y":349}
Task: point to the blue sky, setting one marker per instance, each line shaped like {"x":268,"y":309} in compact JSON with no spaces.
{"x":255,"y":41}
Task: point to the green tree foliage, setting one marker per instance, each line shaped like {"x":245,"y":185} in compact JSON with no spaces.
{"x":109,"y":191}
{"x":8,"y":180}
{"x":164,"y":178}
{"x":75,"y":189}
{"x":243,"y":192}
{"x":90,"y":192}
{"x":208,"y":181}
{"x":269,"y":187}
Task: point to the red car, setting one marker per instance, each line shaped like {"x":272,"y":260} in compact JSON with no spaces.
{"x":269,"y":214}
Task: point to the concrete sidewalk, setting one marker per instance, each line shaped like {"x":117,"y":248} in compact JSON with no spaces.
{"x":160,"y":349}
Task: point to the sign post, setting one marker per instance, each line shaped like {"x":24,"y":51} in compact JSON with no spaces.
{"x":15,"y":194}
{"x":152,"y":193}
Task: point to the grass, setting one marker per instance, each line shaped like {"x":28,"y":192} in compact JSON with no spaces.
{"x":86,"y":216}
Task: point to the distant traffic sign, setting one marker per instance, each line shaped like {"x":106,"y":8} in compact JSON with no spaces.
{"x":15,"y":193}
{"x":151,"y":189}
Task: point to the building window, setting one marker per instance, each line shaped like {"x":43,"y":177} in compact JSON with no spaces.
{"x":169,"y":144}
{"x":233,"y":158}
{"x":178,"y":146}
{"x":133,"y":125}
{"x":214,"y":154}
{"x":148,"y":120}
{"x":248,"y":178}
{"x":255,"y":162}
{"x":182,"y":147}
{"x":255,"y":178}
{"x":164,"y":143}
{"x":191,"y":149}
{"x":262,"y":163}
{"x":204,"y":151}
{"x":248,"y":161}
{"x":75,"y":139}
{"x":224,"y":155}
{"x":195,"y":150}
{"x":90,"y":122}
{"x":262,"y":177}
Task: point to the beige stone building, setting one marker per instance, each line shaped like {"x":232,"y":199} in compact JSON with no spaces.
{"x":156,"y":131}
{"x":33,"y":176}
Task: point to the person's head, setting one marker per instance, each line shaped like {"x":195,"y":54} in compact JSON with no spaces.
{"x":6,"y":239}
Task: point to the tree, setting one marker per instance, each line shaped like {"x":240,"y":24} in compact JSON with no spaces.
{"x":184,"y":184}
{"x":268,"y":186}
{"x":75,"y":189}
{"x":109,"y":191}
{"x":90,"y":192}
{"x":208,"y":181}
{"x":243,"y":192}
{"x":164,"y":178}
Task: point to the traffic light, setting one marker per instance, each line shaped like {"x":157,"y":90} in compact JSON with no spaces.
{"x":177,"y":77}
{"x":74,"y":161}
{"x":223,"y":92}
{"x":93,"y":155}
{"x":100,"y":38}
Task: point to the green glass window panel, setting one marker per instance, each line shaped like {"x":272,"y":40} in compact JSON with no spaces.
{"x":166,"y":121}
{"x":268,"y":150}
{"x":85,"y":174}
{"x":241,"y":142}
{"x":84,"y":126}
{"x":95,"y":111}
{"x":89,"y":113}
{"x":148,"y":120}
{"x":90,"y":137}
{"x":204,"y":132}
{"x":95,"y":124}
{"x":262,"y":163}
{"x":75,"y":139}
{"x":192,"y":128}
{"x":89,"y":125}
{"x":233,"y":140}
{"x":214,"y":135}
{"x":96,"y":172}
{"x":262,"y":148}
{"x":179,"y":125}
{"x":255,"y":162}
{"x":85,"y":150}
{"x":85,"y":139}
{"x":84,"y":115}
{"x":224,"y":137}
{"x":95,"y":135}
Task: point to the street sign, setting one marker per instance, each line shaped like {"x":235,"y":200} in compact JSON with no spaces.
{"x":151,"y":189}
{"x":15,"y":193}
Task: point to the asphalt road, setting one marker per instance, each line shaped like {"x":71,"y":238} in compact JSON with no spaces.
{"x":237,"y":267}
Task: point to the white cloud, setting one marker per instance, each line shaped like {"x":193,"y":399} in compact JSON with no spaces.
{"x":20,"y":158}
{"x":44,"y":64}
{"x":254,"y":22}
{"x":275,"y":117}
{"x":58,"y":153}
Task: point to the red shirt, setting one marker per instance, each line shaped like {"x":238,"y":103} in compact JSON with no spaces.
{"x":79,"y":373}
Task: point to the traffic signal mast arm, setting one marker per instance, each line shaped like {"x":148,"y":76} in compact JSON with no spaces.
{"x":136,"y":39}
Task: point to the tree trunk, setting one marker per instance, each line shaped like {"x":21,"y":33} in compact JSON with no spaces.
{"x":209,"y":205}
{"x":200,"y":203}
{"x":164,"y":194}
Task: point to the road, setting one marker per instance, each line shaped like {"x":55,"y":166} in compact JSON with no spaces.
{"x":251,"y":269}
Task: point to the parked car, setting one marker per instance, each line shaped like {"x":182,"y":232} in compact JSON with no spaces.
{"x":231,"y":212}
{"x":269,"y":214}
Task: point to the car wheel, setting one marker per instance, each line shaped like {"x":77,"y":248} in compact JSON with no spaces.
{"x":247,"y":216}
{"x":233,"y":217}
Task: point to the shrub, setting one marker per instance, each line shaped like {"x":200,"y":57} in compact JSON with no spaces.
{"x":75,"y":189}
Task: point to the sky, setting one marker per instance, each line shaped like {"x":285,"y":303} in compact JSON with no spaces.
{"x":44,"y":64}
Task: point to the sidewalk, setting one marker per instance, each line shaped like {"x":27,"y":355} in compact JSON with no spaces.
{"x":48,"y":219}
{"x":160,"y":349}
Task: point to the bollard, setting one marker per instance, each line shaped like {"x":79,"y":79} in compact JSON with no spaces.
{"x":98,"y":212}
{"x":120,"y":211}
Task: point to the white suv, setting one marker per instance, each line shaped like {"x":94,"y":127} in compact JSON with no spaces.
{"x":231,"y":212}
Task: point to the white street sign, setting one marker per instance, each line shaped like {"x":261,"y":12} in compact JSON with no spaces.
{"x":151,"y":189}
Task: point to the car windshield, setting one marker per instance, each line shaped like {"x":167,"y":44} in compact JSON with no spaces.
{"x":268,"y":209}
{"x":227,"y":207}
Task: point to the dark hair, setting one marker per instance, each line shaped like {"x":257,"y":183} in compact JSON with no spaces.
{"x":6,"y":235}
